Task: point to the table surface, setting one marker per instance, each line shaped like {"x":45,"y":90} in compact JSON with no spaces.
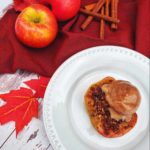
{"x":33,"y":136}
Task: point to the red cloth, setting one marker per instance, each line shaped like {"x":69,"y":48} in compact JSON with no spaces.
{"x":133,"y":32}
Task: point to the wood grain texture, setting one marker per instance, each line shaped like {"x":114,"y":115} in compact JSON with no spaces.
{"x":33,"y":136}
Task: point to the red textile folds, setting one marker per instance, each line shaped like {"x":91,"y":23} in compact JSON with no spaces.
{"x":133,"y":32}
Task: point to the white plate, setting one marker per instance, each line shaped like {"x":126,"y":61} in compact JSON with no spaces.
{"x":67,"y":124}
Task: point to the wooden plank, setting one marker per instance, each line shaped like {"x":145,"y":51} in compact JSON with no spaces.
{"x":49,"y":147}
{"x":32,"y":137}
{"x":5,"y":132}
{"x":9,"y":82}
{"x":4,"y":6}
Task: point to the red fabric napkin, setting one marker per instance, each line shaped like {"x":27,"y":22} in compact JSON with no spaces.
{"x":133,"y":32}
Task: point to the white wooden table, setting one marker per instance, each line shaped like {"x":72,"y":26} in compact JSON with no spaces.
{"x":33,"y":136}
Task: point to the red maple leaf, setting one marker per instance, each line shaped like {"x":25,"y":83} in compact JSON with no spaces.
{"x":39,"y":85}
{"x":20,"y":107}
{"x":19,"y":5}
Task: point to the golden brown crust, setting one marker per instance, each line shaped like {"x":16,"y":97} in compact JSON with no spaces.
{"x":98,"y":110}
{"x":123,"y":97}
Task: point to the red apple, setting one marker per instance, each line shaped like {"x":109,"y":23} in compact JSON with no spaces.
{"x":36,"y":26}
{"x":65,"y":9}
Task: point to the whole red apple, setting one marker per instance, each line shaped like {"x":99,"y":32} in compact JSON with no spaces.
{"x":36,"y":26}
{"x":65,"y":9}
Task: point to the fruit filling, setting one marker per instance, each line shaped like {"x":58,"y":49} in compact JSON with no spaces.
{"x":101,"y":109}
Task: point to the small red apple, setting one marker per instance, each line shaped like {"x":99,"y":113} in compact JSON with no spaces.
{"x":65,"y":9}
{"x":36,"y":26}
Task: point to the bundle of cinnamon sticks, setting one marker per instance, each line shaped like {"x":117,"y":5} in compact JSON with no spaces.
{"x":105,"y":10}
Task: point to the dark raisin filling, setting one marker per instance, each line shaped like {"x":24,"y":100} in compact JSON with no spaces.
{"x":101,"y":108}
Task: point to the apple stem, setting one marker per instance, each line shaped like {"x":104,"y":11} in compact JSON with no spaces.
{"x":36,"y":20}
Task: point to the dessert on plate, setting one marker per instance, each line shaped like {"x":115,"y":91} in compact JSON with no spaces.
{"x":111,"y":105}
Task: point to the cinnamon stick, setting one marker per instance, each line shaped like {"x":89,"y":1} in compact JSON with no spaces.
{"x":90,"y":18}
{"x":90,"y":6}
{"x":107,"y":7}
{"x":102,"y":25}
{"x":114,"y":12}
{"x":100,"y":16}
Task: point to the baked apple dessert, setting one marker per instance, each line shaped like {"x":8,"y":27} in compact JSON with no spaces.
{"x":111,"y":105}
